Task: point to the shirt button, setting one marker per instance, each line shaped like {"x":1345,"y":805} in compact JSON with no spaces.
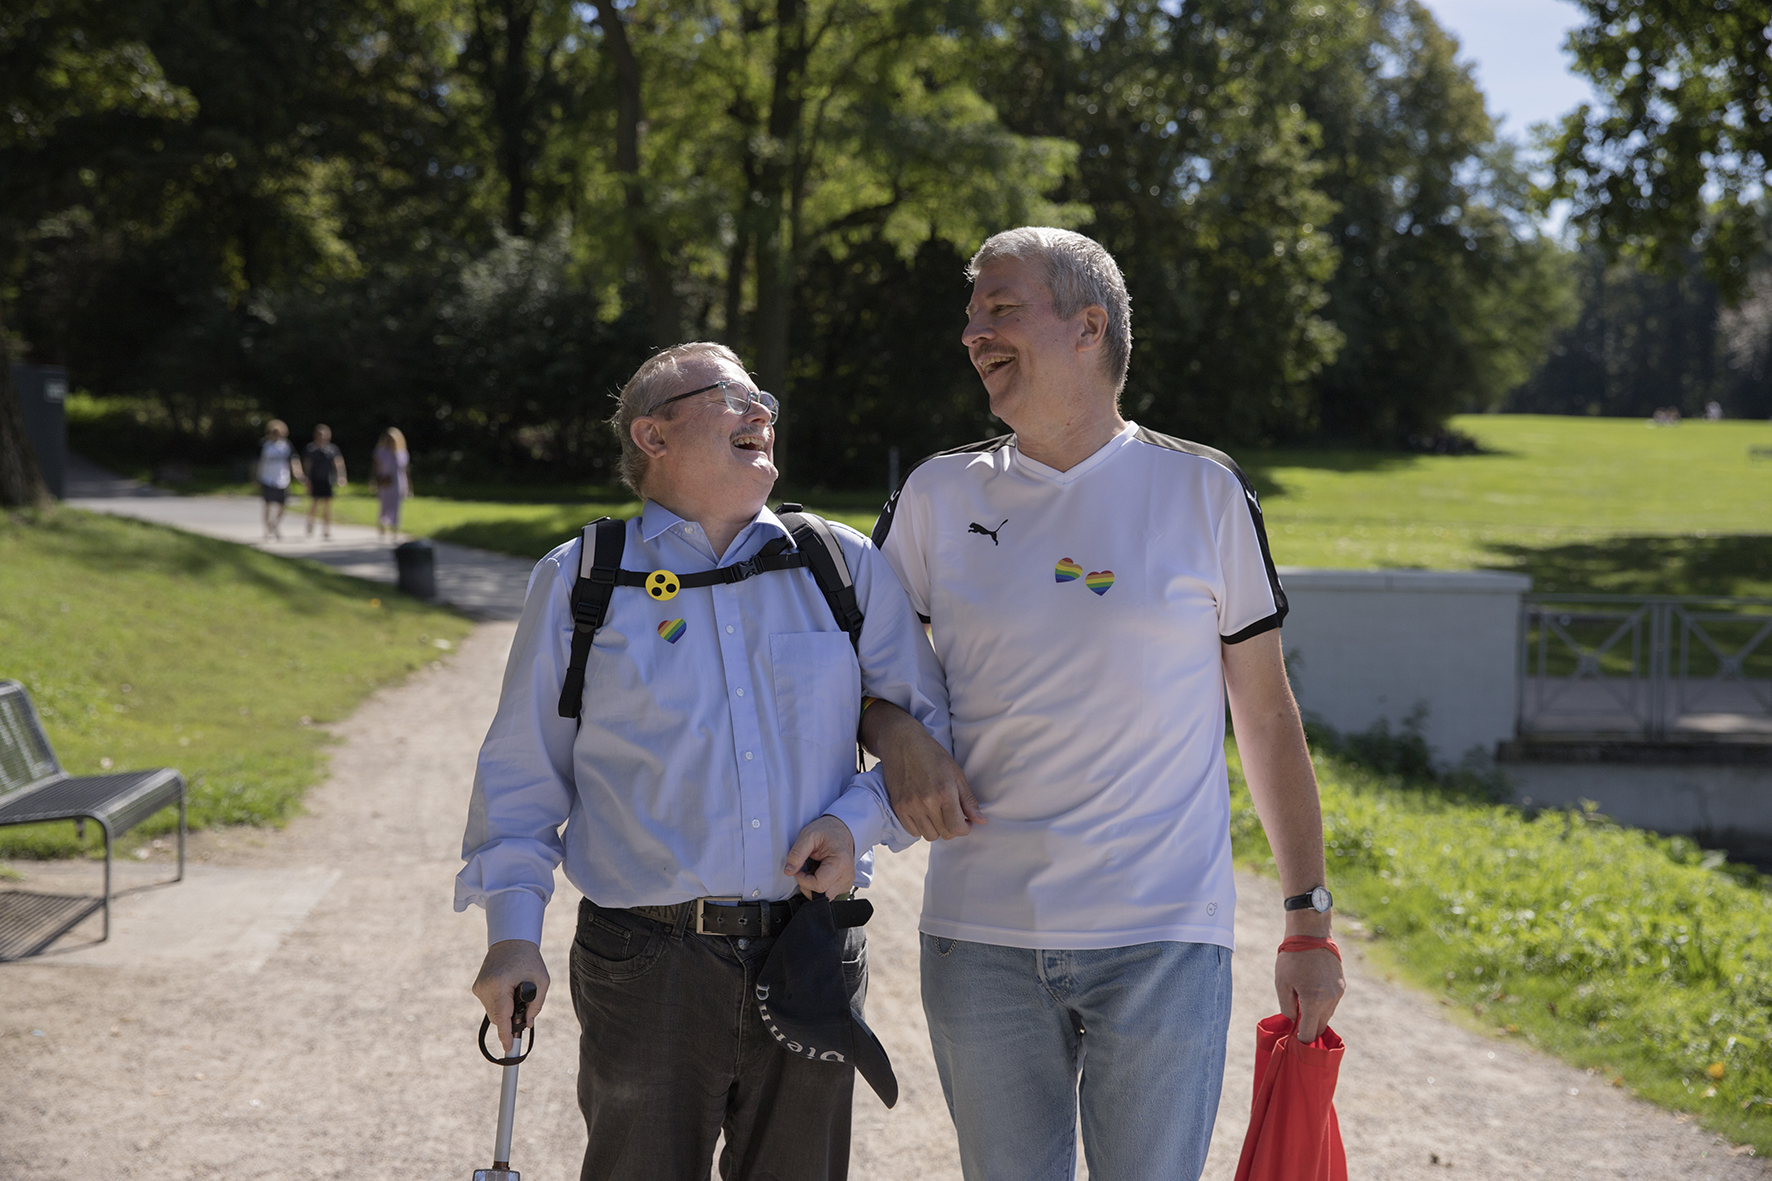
{"x":729,"y":629}
{"x":754,"y":893}
{"x":743,"y":943}
{"x":747,"y":756}
{"x":741,"y":692}
{"x":756,"y":824}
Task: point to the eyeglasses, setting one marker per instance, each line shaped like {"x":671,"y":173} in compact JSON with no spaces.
{"x":737,"y":396}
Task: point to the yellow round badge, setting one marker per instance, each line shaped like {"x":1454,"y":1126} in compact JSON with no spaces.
{"x":662,"y":585}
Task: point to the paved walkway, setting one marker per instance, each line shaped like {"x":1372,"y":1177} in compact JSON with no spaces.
{"x":486,"y":585}
{"x":297,"y":1008}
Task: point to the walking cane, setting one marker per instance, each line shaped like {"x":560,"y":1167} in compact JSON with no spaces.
{"x":507,"y":1096}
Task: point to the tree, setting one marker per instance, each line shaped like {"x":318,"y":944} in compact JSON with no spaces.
{"x":71,"y":74}
{"x":1446,"y":294}
{"x":1196,"y":163}
{"x":775,"y":131}
{"x":1677,"y":154}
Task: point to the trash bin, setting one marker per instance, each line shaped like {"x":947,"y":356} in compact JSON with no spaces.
{"x":417,"y":563}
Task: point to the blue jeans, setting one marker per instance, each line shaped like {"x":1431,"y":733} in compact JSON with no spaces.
{"x":1130,"y":1038}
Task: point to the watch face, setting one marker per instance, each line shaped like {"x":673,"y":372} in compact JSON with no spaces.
{"x":1320,"y":900}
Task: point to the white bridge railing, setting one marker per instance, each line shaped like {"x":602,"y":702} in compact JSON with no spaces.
{"x":1657,"y":667}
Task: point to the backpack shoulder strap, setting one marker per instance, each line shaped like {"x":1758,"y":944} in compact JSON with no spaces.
{"x":830,"y":569}
{"x":599,"y":561}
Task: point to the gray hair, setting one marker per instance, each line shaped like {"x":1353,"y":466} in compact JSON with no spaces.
{"x":1080,"y":273}
{"x":652,"y":382}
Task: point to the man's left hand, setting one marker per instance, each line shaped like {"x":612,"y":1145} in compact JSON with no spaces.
{"x":1309,"y":984}
{"x":828,"y":842}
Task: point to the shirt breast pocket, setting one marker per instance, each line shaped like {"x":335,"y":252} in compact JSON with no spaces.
{"x":817,"y":687}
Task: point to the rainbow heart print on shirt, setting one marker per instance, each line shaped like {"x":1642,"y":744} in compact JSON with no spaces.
{"x":1099,"y":581}
{"x":1067,"y":571}
{"x":671,"y":630}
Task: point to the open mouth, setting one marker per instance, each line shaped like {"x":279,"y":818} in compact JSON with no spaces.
{"x":749,"y":442}
{"x":989,"y":365}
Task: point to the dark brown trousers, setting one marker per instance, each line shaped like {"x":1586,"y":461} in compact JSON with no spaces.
{"x":672,"y":1053}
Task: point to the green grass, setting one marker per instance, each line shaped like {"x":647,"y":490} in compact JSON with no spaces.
{"x":1639,"y":956}
{"x":1586,"y":504}
{"x":148,"y":647}
{"x":1581,"y":504}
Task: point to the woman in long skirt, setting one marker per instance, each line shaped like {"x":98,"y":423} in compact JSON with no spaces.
{"x":393,"y":484}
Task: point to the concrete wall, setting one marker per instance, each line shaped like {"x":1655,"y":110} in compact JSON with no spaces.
{"x":1362,"y":645}
{"x":1725,"y":806}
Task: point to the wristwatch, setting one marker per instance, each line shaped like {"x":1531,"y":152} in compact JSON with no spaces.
{"x":1318,"y":900}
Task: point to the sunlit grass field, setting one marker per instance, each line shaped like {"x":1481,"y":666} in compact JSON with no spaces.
{"x":1592,"y":504}
{"x":1579,"y":503}
{"x":147,"y":647}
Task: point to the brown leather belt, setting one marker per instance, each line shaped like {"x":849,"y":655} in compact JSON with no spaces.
{"x":721,"y":916}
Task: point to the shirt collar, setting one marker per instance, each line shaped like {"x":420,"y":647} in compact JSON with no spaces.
{"x":1051,"y":474}
{"x":657,"y":520}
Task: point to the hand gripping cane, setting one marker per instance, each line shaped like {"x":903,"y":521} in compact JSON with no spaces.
{"x":507,"y":1096}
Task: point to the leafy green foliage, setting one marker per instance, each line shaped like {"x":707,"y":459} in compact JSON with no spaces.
{"x":145,"y":647}
{"x":1640,"y":955}
{"x":472,"y":218}
{"x":1677,"y":154}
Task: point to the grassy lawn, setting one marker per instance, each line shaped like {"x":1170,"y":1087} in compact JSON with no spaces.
{"x":1641,"y":957}
{"x":1585,"y":504}
{"x":146,"y":647}
{"x":1578,"y":503}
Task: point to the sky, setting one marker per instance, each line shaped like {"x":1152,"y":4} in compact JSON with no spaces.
{"x":1517,"y":49}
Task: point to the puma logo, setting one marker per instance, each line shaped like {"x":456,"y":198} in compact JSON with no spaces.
{"x":990,"y":533}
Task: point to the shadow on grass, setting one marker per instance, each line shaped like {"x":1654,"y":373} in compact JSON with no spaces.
{"x":1260,"y":466}
{"x":1732,"y":565}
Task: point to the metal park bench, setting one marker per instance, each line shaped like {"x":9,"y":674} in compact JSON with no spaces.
{"x":34,"y":788}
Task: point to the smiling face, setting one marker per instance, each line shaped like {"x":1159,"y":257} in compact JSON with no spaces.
{"x":1029,"y":359}
{"x":703,"y":456}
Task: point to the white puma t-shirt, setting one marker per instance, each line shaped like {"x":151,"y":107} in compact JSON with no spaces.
{"x":1078,"y":617}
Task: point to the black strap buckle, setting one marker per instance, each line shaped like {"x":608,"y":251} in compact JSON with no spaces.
{"x":739,"y":571}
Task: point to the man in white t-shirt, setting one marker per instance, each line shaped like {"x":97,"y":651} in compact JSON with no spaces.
{"x":1094,"y":592}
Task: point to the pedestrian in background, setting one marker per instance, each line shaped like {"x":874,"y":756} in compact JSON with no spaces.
{"x":276,"y":462}
{"x":389,"y":477}
{"x":325,"y":469}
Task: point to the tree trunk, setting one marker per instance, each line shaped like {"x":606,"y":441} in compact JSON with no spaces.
{"x":513,"y":115}
{"x":661,"y":294}
{"x":21,"y":480}
{"x":775,"y":264}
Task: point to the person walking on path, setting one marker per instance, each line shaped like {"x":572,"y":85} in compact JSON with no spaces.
{"x":1095,"y":590}
{"x":325,"y":470}
{"x":276,"y":463}
{"x":710,"y":774}
{"x":390,"y":477}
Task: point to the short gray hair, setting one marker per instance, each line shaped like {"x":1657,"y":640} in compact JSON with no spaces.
{"x":652,"y":382}
{"x":1080,"y":273}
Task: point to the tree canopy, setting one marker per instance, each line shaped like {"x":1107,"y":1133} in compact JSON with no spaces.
{"x":472,"y":218}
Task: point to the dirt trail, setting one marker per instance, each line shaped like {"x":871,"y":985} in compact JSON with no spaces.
{"x":298,"y":1009}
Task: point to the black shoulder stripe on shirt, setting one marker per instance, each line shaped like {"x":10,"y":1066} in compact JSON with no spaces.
{"x":883,"y":525}
{"x":1269,"y":623}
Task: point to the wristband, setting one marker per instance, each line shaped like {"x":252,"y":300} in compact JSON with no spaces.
{"x":1310,"y":943}
{"x":867,"y":701}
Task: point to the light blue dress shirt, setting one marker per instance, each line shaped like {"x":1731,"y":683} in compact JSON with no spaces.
{"x":700,"y":757}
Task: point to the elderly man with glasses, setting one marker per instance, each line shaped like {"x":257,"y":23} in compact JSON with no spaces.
{"x":710,"y":776}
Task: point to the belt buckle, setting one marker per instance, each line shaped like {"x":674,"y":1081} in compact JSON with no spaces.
{"x":701,"y":912}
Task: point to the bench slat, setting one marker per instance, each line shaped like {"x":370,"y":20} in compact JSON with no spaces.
{"x":122,"y":800}
{"x":25,"y":754}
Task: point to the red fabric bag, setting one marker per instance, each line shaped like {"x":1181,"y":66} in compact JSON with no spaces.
{"x":1293,"y":1134}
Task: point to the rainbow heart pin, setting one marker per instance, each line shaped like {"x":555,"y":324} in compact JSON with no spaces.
{"x":671,"y":630}
{"x":1099,"y":581}
{"x":1067,"y":571}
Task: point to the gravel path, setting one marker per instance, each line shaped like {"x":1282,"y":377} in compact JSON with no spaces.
{"x":298,"y":1008}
